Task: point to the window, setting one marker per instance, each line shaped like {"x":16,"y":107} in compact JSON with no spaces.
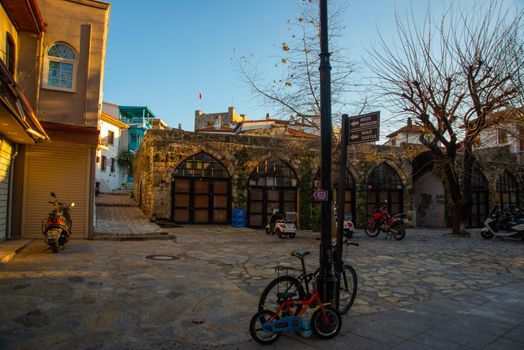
{"x":61,"y":67}
{"x":133,"y":138}
{"x":112,"y":165}
{"x":201,"y":165}
{"x":110,"y":137}
{"x":103,"y":164}
{"x":10,"y":54}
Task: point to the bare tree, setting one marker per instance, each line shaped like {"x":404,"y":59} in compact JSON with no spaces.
{"x":451,"y":76}
{"x":297,"y":91}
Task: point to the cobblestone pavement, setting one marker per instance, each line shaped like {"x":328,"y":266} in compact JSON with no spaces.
{"x":430,"y":290}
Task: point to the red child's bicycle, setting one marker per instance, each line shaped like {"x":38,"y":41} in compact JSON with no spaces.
{"x":267,"y":326}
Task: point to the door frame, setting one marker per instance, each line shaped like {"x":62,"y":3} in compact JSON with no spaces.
{"x":281,"y":200}
{"x":191,"y":193}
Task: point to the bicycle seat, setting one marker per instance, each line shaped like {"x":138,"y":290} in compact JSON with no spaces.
{"x":299,"y":255}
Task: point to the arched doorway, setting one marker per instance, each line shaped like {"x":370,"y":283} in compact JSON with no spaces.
{"x":385,"y":189}
{"x":349,"y":197}
{"x":507,"y":191}
{"x":428,"y":193}
{"x":201,"y":191}
{"x":479,"y":198}
{"x":272,"y":185}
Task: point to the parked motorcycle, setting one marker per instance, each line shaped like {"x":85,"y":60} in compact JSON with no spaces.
{"x":57,"y":227}
{"x":382,"y":220}
{"x":282,"y":224}
{"x":503,"y":223}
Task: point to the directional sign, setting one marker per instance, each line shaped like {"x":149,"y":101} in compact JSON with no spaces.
{"x":364,"y":128}
{"x":321,"y":195}
{"x":366,"y":135}
{"x":365,"y":121}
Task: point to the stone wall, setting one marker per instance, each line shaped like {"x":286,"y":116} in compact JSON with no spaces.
{"x":163,"y":150}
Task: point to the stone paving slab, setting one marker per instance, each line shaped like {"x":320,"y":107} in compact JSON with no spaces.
{"x":429,"y":290}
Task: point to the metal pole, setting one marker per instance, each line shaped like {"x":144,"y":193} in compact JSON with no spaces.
{"x":326,"y":280}
{"x":341,"y":194}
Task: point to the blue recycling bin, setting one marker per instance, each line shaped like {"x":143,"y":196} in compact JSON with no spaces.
{"x":239,"y":217}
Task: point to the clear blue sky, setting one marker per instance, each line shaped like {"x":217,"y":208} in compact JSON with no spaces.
{"x":161,"y":53}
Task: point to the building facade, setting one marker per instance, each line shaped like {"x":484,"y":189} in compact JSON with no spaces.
{"x":61,"y":72}
{"x":111,"y":173}
{"x":198,"y":178}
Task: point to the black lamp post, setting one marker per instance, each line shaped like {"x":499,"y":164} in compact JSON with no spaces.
{"x":326,"y":280}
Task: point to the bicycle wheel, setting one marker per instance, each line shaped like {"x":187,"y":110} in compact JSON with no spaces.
{"x":280,"y":289}
{"x":323,"y":329}
{"x":372,"y":228}
{"x":348,"y":289}
{"x":255,"y":327}
{"x":398,"y":230}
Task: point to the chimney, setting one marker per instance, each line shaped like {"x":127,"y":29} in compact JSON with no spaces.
{"x":409,"y":121}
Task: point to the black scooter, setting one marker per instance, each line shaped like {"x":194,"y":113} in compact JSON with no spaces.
{"x":57,"y":227}
{"x":503,"y":224}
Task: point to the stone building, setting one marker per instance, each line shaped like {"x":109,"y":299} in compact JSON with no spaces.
{"x":198,"y":178}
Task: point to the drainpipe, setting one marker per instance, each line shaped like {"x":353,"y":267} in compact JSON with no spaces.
{"x":10,"y":193}
{"x":86,"y":33}
{"x":39,"y":66}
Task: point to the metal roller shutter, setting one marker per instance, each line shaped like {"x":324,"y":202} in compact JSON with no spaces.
{"x":5,"y":163}
{"x":61,"y":168}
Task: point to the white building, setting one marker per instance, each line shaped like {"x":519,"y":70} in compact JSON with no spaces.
{"x":112,"y":141}
{"x":407,"y":134}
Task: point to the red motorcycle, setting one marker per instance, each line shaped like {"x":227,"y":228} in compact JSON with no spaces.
{"x":381,"y":220}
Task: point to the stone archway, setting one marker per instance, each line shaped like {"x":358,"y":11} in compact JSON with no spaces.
{"x":201,"y":191}
{"x":428,"y":193}
{"x":272,"y":185}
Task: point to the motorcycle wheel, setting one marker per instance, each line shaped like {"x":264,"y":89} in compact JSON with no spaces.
{"x":348,"y":234}
{"x":372,"y":228}
{"x":53,"y":246}
{"x":486,"y":234}
{"x":278,"y":232}
{"x":268,"y":231}
{"x":398,"y":231}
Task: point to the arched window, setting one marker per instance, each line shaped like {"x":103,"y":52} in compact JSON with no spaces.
{"x":61,"y":67}
{"x":385,"y":189}
{"x":201,"y":165}
{"x":507,"y":191}
{"x":273,"y":173}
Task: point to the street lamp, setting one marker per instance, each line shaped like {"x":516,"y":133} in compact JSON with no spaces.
{"x":326,"y":281}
